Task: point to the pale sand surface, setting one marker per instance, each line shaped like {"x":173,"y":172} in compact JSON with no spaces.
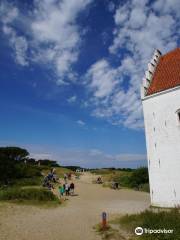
{"x":74,"y":220}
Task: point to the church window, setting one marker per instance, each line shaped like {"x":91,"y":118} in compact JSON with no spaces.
{"x":178,"y":116}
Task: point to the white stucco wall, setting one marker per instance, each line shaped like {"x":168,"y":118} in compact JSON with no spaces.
{"x":163,"y":147}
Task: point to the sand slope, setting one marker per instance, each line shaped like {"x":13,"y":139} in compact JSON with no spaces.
{"x":75,"y":220}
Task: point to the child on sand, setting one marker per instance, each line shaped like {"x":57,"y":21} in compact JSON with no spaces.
{"x":67,"y":189}
{"x":61,"y":190}
{"x":72,"y":188}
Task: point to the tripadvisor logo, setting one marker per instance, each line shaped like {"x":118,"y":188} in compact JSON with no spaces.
{"x":140,"y":231}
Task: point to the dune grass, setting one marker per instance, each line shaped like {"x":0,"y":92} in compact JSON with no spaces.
{"x":29,"y":190}
{"x":151,"y":220}
{"x":33,"y":181}
{"x":28,"y":194}
{"x":60,"y":171}
{"x":135,"y":179}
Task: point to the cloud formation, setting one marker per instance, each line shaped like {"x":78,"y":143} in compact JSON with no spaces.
{"x":18,"y":43}
{"x":140,"y":28}
{"x":80,"y":122}
{"x":51,"y":37}
{"x":49,"y":34}
{"x":95,"y":158}
{"x":72,"y":99}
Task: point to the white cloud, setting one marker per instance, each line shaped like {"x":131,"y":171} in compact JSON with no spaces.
{"x":51,"y":36}
{"x":96,"y":158}
{"x":130,"y":157}
{"x":18,"y":43}
{"x":102,"y":78}
{"x":72,"y":99}
{"x":111,"y":6}
{"x":20,"y":47}
{"x":54,"y":25}
{"x":140,"y":28}
{"x":6,"y":15}
{"x":80,"y":122}
{"x":38,"y":156}
{"x":54,"y":36}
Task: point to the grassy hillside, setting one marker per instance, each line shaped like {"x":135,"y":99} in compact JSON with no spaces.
{"x":21,"y":177}
{"x":127,"y":178}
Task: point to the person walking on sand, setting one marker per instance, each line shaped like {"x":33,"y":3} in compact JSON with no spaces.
{"x":67,"y":189}
{"x":72,"y":188}
{"x":65,"y":177}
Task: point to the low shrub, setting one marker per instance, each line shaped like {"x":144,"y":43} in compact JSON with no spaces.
{"x":35,"y":194}
{"x":137,"y":179}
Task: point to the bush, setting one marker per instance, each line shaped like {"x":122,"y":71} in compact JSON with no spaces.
{"x":11,"y":170}
{"x":137,"y":179}
{"x":7,"y":169}
{"x":139,"y":176}
{"x":123,"y":180}
{"x":36,"y":194}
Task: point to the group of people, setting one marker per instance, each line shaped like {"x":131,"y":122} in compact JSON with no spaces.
{"x":66,"y":189}
{"x":50,"y":179}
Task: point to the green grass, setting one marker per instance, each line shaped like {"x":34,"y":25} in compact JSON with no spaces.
{"x":60,"y":171}
{"x":144,"y":187}
{"x":28,"y":190}
{"x":152,"y":220}
{"x":136,"y":179}
{"x":27,"y":194}
{"x":34,"y":181}
{"x":102,"y":171}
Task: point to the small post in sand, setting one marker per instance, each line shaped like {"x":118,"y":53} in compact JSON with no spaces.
{"x":104,"y":221}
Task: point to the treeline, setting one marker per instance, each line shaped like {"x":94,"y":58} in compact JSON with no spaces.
{"x":16,"y":164}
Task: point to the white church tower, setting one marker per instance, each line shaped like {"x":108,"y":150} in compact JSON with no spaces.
{"x":160,"y":94}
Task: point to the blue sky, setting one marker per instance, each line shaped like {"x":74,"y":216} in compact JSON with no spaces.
{"x":70,"y":74}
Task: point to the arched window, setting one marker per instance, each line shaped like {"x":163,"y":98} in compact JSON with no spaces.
{"x":178,"y":116}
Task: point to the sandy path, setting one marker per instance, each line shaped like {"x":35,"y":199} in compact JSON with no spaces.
{"x":73,"y":221}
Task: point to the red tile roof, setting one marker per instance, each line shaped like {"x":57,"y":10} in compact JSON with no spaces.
{"x":167,"y":74}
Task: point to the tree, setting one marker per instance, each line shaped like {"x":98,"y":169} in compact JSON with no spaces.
{"x":10,"y":158}
{"x":13,"y":153}
{"x":47,"y":162}
{"x":7,"y":169}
